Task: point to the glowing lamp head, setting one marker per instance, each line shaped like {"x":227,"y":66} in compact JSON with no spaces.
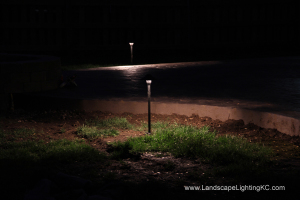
{"x":148,"y":82}
{"x":131,"y":43}
{"x":148,"y":78}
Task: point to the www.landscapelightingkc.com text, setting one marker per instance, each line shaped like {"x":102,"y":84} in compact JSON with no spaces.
{"x":241,"y":188}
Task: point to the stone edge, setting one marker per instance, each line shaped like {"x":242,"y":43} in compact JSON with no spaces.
{"x":284,"y":124}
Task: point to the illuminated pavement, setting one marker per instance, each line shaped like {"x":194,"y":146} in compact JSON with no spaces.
{"x":269,"y":84}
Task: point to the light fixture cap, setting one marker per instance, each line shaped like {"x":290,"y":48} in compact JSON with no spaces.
{"x":148,"y":78}
{"x":148,"y":82}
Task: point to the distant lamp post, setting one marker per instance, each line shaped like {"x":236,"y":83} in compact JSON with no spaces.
{"x":149,"y":79}
{"x":131,"y":51}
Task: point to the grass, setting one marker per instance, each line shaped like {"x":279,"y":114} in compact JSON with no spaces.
{"x":62,"y":130}
{"x":54,"y":151}
{"x":27,"y":150}
{"x":229,"y":155}
{"x":94,"y":133}
{"x":15,"y":134}
{"x":154,"y":126}
{"x":25,"y":162}
{"x":115,"y":122}
{"x":97,"y":128}
{"x":179,"y":140}
{"x":188,"y":141}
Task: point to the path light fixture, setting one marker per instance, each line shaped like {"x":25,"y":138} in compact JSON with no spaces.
{"x":149,"y":79}
{"x":131,"y":50}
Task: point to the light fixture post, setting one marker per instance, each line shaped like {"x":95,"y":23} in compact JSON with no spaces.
{"x":131,"y":51}
{"x":149,"y":102}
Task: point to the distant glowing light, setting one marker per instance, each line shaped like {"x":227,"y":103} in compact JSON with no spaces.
{"x":131,"y":51}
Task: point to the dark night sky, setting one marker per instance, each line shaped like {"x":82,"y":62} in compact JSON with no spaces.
{"x":173,"y":25}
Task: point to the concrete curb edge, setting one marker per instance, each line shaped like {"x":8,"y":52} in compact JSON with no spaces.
{"x":284,"y":124}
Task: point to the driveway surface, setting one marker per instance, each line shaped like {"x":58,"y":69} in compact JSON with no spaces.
{"x":266,"y":84}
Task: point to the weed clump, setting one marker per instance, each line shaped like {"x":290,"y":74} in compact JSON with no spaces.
{"x":94,"y":133}
{"x":101,"y":128}
{"x":189,"y":141}
{"x":115,"y":122}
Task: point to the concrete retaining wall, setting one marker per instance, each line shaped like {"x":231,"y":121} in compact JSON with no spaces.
{"x":284,"y":124}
